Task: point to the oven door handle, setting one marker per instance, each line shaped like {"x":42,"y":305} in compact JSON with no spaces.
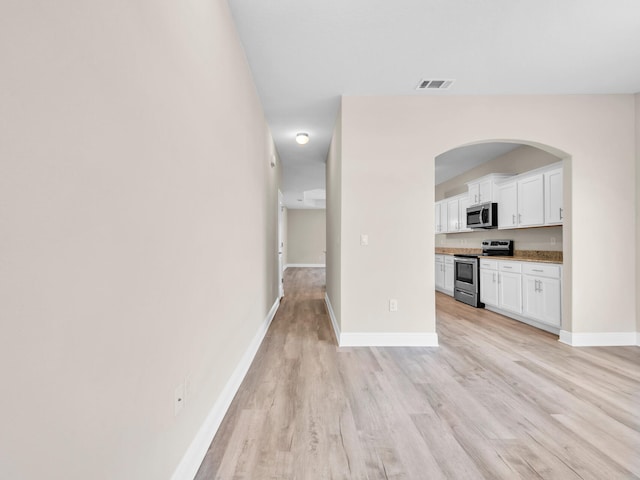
{"x":465,"y":293}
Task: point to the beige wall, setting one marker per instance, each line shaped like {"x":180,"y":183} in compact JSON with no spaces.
{"x":306,"y":236}
{"x":125,"y":269}
{"x":517,"y":161}
{"x":391,"y":200}
{"x":334,"y":222}
{"x":285,"y":242}
{"x":637,"y":102}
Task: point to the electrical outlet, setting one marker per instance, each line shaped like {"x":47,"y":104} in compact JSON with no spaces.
{"x":178,"y":399}
{"x":393,"y":305}
{"x":364,"y":240}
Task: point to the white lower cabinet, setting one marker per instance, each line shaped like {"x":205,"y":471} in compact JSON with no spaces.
{"x":444,"y":274}
{"x":542,"y":289}
{"x":439,"y":271}
{"x":448,"y":274}
{"x":510,"y":286}
{"x":527,"y":291}
{"x":489,"y":282}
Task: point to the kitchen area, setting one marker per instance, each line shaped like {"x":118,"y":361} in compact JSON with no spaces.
{"x":499,"y":232}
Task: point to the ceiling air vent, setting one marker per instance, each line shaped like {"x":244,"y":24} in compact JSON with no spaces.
{"x":434,"y":84}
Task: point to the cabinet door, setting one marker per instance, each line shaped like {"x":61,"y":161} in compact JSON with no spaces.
{"x":510,"y":291}
{"x":439,"y":275}
{"x":463,"y":203}
{"x":485,"y":193}
{"x":531,"y":298}
{"x":553,"y":197}
{"x":508,"y":205}
{"x":551,"y":307}
{"x":474,"y":193}
{"x":489,"y":287}
{"x":452,"y":214}
{"x":531,"y":201}
{"x":448,"y":277}
{"x":441,"y":217}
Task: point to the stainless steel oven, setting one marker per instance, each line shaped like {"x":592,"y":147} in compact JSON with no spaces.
{"x":466,"y":277}
{"x":466,"y":273}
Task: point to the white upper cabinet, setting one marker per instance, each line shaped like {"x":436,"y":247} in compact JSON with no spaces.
{"x":531,"y":201}
{"x":453,"y":214}
{"x":474,"y":193}
{"x":441,"y":217}
{"x":457,"y":213}
{"x":553,"y":197}
{"x":508,"y":205}
{"x":484,"y":189}
{"x":463,"y":203}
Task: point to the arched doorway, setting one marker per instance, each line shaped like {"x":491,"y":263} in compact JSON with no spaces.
{"x":507,"y":163}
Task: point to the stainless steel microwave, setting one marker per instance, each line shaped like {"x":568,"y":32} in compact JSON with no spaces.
{"x":484,"y":215}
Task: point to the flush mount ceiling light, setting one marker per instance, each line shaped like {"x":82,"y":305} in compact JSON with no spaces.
{"x":302,"y":138}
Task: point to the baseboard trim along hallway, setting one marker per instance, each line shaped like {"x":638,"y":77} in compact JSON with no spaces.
{"x":192,"y":459}
{"x":599,"y":339}
{"x":379,"y":339}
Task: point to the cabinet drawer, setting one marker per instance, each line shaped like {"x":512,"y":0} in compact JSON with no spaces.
{"x":541,"y":270}
{"x":439,"y":258}
{"x":448,"y":259}
{"x":515,"y":267}
{"x":489,"y":264}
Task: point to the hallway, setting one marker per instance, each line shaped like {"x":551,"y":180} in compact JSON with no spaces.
{"x":497,"y":400}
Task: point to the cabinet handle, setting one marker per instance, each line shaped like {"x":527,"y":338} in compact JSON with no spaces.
{"x":537,"y":270}
{"x":519,"y":218}
{"x":561,"y":217}
{"x":540,"y":286}
{"x":513,"y":219}
{"x":506,"y":266}
{"x":494,"y":278}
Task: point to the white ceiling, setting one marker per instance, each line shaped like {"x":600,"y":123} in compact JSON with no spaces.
{"x":306,"y":54}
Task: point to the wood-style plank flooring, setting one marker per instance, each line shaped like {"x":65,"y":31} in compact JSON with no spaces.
{"x":497,"y":400}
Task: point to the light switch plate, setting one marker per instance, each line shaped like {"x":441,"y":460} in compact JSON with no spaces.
{"x":393,"y":305}
{"x":364,"y":239}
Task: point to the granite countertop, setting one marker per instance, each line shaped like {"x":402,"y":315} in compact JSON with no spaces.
{"x":538,"y":256}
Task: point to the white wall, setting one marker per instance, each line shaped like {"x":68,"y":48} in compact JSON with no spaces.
{"x":387,"y":192}
{"x":127,"y":126}
{"x":306,"y":236}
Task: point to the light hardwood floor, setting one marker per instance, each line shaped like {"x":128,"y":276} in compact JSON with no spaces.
{"x":497,"y":400}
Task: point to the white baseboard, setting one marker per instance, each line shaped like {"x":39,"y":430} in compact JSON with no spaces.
{"x":598,"y":339}
{"x":332,"y":316}
{"x":303,"y":265}
{"x":392,"y":339}
{"x":192,"y":459}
